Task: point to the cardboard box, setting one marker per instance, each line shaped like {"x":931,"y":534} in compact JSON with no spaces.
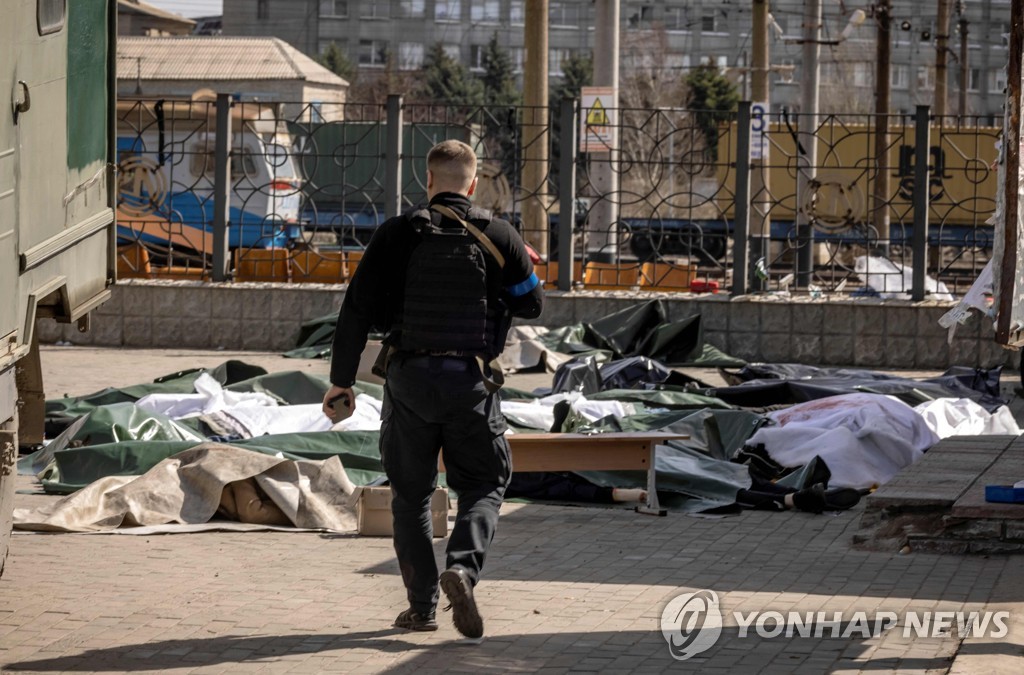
{"x":373,"y":509}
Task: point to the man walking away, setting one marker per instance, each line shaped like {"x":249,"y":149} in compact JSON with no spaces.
{"x":442,"y":282}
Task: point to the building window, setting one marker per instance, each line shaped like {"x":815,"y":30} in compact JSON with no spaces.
{"x":262,"y":9}
{"x":412,"y":8}
{"x":997,"y":81}
{"x":678,"y":62}
{"x":925,"y":78}
{"x":410,"y":55}
{"x":341,"y":44}
{"x":334,"y":8}
{"x":375,"y":10}
{"x":899,"y":77}
{"x":639,"y":16}
{"x":448,"y":10}
{"x":485,"y":11}
{"x":515,"y":12}
{"x":676,"y":17}
{"x":556,"y":57}
{"x":974,"y":79}
{"x":476,"y":57}
{"x":453,"y":52}
{"x":518,"y":55}
{"x":786,"y":71}
{"x":564,"y":14}
{"x":862,"y":74}
{"x":373,"y":52}
{"x":709,"y":22}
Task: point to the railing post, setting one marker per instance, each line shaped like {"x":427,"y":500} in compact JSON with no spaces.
{"x":567,"y":193}
{"x":222,"y":188}
{"x":922,"y":187}
{"x":741,"y":212}
{"x":393,"y":158}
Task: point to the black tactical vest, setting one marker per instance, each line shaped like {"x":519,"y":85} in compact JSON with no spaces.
{"x":446,"y":302}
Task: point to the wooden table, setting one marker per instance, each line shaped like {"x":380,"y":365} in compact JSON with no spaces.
{"x":627,"y":451}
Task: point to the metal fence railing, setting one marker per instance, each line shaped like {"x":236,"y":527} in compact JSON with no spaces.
{"x":684,"y":199}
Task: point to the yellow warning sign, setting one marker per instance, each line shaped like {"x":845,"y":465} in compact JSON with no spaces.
{"x":597,"y":121}
{"x":597,"y":116}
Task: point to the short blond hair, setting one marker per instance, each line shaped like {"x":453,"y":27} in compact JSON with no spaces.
{"x":453,"y":164}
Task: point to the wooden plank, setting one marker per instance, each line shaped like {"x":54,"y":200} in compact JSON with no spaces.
{"x":584,"y":452}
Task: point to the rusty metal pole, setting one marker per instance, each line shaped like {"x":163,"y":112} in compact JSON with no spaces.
{"x":535,"y":133}
{"x":880,"y":205}
{"x":760,"y":221}
{"x":603,"y":239}
{"x":1011,"y":144}
{"x":941,"y":71}
{"x":965,"y":71}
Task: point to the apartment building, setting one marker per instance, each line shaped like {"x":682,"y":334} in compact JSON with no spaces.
{"x":671,"y":35}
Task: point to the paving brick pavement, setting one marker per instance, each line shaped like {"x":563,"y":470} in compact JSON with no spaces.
{"x":565,"y":589}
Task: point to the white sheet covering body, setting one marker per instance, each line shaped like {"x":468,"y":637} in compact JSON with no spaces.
{"x":865,"y":439}
{"x":963,"y":417}
{"x":540,"y":413}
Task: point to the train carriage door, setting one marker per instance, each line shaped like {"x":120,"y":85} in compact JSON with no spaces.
{"x":8,"y":165}
{"x":41,"y":63}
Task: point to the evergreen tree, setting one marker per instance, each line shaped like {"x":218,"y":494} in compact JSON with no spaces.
{"x":334,"y":60}
{"x":714,"y":99}
{"x":577,"y":72}
{"x":445,"y":80}
{"x":499,"y":78}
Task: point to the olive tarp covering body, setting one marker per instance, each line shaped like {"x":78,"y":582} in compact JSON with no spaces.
{"x":761,"y":384}
{"x":73,"y":468}
{"x":64,"y":467}
{"x":643,"y":329}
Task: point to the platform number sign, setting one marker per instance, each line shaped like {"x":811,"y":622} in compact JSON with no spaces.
{"x":759,"y":130}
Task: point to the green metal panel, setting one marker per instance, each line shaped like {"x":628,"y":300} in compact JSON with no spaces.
{"x":87,"y":82}
{"x":343,"y":162}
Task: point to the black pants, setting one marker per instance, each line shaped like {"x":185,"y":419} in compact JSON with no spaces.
{"x":434,"y":402}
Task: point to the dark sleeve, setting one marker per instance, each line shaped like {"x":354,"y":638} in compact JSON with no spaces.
{"x":521,"y":290}
{"x":364,"y":305}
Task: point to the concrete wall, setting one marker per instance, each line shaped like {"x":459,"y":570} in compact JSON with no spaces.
{"x":868,"y":333}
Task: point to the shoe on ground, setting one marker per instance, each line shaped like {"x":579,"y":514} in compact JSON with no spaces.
{"x":456,"y":585}
{"x":410,"y":619}
{"x":811,"y":500}
{"x":840,"y":499}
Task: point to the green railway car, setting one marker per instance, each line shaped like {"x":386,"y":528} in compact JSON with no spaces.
{"x":57,"y":192}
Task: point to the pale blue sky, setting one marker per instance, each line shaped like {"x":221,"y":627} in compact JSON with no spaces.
{"x":190,"y":8}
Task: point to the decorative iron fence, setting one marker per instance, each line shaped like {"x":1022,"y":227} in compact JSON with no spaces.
{"x":679,"y":200}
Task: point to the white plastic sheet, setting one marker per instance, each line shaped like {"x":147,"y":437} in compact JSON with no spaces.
{"x":210,"y":397}
{"x":963,"y":417}
{"x":894,"y":282}
{"x":539,"y":413}
{"x":865,"y":439}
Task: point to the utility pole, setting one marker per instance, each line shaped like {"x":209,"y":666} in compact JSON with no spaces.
{"x":603,"y":244}
{"x":1008,"y":310}
{"x":760,"y":225}
{"x":965,"y":71}
{"x":880,"y":205}
{"x":535,"y":129}
{"x":941,"y":48}
{"x":808,"y":124}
